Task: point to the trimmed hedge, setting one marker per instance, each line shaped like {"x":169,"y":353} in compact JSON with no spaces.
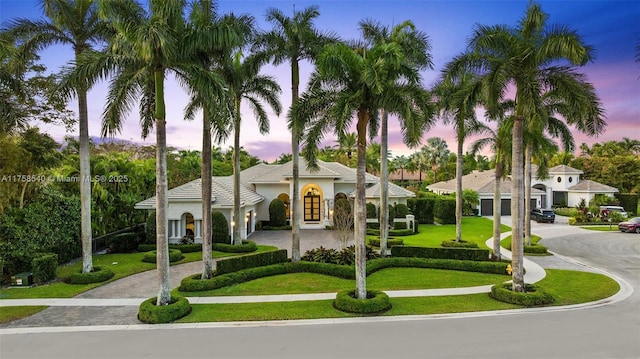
{"x":123,"y":243}
{"x":252,"y":260}
{"x":402,"y":210}
{"x":376,"y":302}
{"x":44,"y":268}
{"x":150,"y":313}
{"x":445,"y":209}
{"x":219,"y":228}
{"x":452,"y":264}
{"x":461,"y":244}
{"x":400,"y":232}
{"x":400,"y":226}
{"x":390,"y":242}
{"x":535,"y":249}
{"x":193,"y":283}
{"x":150,"y":228}
{"x":371,"y":210}
{"x":473,"y":254}
{"x":532,"y":297}
{"x":245,"y":247}
{"x":99,"y":274}
{"x":277,"y":213}
{"x":151,"y":256}
{"x":422,"y":208}
{"x":184,"y":248}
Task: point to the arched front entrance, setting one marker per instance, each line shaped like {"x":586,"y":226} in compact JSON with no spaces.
{"x":188,"y":223}
{"x":312,"y":203}
{"x":287,"y":204}
{"x":543,"y":199}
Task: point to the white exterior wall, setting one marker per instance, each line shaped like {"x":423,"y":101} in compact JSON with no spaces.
{"x":269,"y":191}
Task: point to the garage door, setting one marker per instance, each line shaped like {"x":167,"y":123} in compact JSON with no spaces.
{"x":506,"y":207}
{"x":486,"y":207}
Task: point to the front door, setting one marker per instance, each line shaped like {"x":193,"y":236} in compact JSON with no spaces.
{"x":312,"y":208}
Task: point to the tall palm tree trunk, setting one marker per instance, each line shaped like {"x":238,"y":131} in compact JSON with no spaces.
{"x":517,"y":212}
{"x":85,"y":183}
{"x":162,"y":242}
{"x":459,"y":190}
{"x":527,"y":195}
{"x":236,"y":177}
{"x":384,"y":184}
{"x":207,"y":265}
{"x":497,"y":209}
{"x":360,"y":219}
{"x":294,"y":212}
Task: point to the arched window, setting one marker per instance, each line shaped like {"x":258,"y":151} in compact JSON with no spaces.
{"x":312,"y":198}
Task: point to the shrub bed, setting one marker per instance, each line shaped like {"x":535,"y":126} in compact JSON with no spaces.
{"x":150,"y":313}
{"x":245,"y":247}
{"x":456,"y":244}
{"x":345,"y":256}
{"x":184,"y":248}
{"x":252,"y":260}
{"x":195,"y":284}
{"x":535,"y":249}
{"x":123,"y":243}
{"x":452,"y":264}
{"x":376,"y":302}
{"x":390,"y":242}
{"x":532,"y":297}
{"x":401,"y":232}
{"x":473,"y":254}
{"x":99,"y":274}
{"x":151,"y":256}
{"x":44,"y":268}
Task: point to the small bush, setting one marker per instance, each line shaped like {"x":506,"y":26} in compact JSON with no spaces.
{"x":151,"y":256}
{"x":461,"y":244}
{"x":44,"y":268}
{"x":532,"y":296}
{"x":400,"y":232}
{"x":535,"y":249}
{"x":401,"y":210}
{"x":219,"y":228}
{"x":99,"y":274}
{"x":390,"y":242}
{"x":376,"y":302}
{"x":150,"y":313}
{"x":245,"y":247}
{"x":277,"y":213}
{"x":371,"y":210}
{"x":400,"y":225}
{"x":473,"y":254}
{"x":123,"y":243}
{"x":252,"y":260}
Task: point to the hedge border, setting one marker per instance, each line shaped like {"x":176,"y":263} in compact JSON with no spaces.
{"x":245,"y":247}
{"x":452,"y":243}
{"x":377,"y":302}
{"x":151,"y":256}
{"x":533,"y":296}
{"x":150,"y":313}
{"x":475,"y":254}
{"x":390,"y":242}
{"x":184,"y":248}
{"x":99,"y":274}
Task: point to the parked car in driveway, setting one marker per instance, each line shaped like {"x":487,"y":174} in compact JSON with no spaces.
{"x":632,"y":225}
{"x":543,"y":215}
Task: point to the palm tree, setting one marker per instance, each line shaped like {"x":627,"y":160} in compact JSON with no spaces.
{"x":500,"y":143}
{"x":244,"y":82}
{"x":401,"y":162}
{"x":345,"y":84}
{"x":457,"y":101}
{"x":293,"y":39}
{"x":415,"y":46}
{"x":347,"y":144}
{"x":434,"y":155}
{"x":204,"y":19}
{"x":528,"y":56}
{"x":145,"y":47}
{"x":74,"y":23}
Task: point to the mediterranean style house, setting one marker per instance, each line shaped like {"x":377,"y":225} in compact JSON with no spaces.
{"x":563,"y":187}
{"x":261,"y":184}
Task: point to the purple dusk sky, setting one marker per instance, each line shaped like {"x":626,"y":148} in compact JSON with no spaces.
{"x":612,"y":27}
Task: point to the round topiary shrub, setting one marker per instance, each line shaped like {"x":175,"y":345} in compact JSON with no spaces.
{"x":376,"y":302}
{"x":151,"y":256}
{"x":277,"y":213}
{"x":99,"y":274}
{"x":219,"y":228}
{"x":401,"y":210}
{"x":533,"y":296}
{"x":371,"y":210}
{"x":150,"y":313}
{"x":456,"y":244}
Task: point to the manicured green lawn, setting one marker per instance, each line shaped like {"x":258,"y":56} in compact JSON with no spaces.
{"x":474,"y":229}
{"x":8,"y":314}
{"x":122,"y":264}
{"x":386,"y":279}
{"x":567,"y":287}
{"x":506,"y":242}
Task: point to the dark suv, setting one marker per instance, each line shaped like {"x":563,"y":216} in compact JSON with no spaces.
{"x":543,"y":215}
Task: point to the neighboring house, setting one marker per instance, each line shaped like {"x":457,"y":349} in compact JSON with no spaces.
{"x":563,"y":187}
{"x":261,"y":184}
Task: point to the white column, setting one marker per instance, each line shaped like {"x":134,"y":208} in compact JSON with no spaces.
{"x":198,"y":229}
